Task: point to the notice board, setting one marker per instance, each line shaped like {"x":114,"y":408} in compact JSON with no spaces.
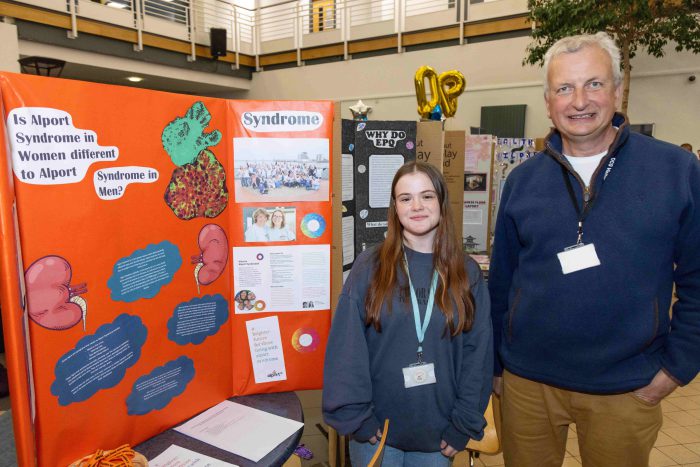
{"x":160,"y":253}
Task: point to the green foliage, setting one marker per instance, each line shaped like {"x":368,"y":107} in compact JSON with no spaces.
{"x":650,"y":24}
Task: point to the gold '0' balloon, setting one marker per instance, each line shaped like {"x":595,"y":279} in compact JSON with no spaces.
{"x":444,"y":90}
{"x":425,"y":107}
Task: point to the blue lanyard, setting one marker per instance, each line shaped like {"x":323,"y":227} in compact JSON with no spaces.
{"x":420,"y":329}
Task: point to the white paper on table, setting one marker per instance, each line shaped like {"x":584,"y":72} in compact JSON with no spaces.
{"x":265,"y":342}
{"x":176,"y":456}
{"x":239,"y":429}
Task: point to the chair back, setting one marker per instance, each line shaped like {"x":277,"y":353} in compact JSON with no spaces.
{"x":376,"y":460}
{"x":490,"y":443}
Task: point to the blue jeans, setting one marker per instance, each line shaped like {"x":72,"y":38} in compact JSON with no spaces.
{"x":361,"y":453}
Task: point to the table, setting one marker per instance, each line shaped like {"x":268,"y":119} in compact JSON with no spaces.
{"x":284,"y":404}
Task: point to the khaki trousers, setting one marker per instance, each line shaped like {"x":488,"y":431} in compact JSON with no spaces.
{"x":613,"y":430}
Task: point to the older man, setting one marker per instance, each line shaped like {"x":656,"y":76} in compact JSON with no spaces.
{"x":591,"y":235}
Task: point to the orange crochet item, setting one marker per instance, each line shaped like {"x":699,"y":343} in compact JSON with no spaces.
{"x":123,"y":456}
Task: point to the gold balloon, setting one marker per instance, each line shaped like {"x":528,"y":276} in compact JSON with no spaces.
{"x":451,"y":86}
{"x":425,"y":107}
{"x":444,"y":90}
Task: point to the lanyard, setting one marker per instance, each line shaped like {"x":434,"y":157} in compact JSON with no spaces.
{"x":587,"y":199}
{"x":420,"y":329}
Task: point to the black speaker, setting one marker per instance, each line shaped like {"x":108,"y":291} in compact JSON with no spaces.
{"x":217,"y":39}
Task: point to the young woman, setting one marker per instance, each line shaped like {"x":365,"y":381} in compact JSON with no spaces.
{"x":278,"y":232}
{"x":258,"y":231}
{"x":411,"y":339}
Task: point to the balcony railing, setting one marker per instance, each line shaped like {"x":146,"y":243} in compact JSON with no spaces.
{"x":284,"y":27}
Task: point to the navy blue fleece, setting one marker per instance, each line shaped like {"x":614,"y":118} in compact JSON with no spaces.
{"x":605,"y":329}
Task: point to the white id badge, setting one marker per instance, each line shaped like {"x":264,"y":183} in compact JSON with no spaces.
{"x":419,"y":375}
{"x":578,"y":258}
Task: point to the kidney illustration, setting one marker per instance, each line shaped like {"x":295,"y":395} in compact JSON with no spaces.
{"x":52,"y":302}
{"x":213,"y":247}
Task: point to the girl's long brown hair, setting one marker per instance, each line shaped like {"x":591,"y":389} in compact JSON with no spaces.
{"x":448,"y":260}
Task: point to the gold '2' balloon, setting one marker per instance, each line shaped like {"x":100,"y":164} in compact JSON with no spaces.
{"x":444,"y":90}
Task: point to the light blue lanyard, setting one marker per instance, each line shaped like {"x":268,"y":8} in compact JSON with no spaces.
{"x":420,"y":329}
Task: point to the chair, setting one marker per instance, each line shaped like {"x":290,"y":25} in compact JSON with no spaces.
{"x":490,"y":443}
{"x":293,"y":461}
{"x":376,"y":460}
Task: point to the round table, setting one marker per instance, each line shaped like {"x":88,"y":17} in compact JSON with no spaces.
{"x":284,"y":404}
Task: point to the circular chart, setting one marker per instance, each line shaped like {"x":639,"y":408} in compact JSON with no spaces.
{"x":313,"y":225}
{"x":305,"y":340}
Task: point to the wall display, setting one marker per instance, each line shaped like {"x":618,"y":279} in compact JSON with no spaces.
{"x":136,"y":266}
{"x":348,"y":194}
{"x":429,"y":143}
{"x":452,"y":169}
{"x":508,"y":154}
{"x":476,"y":185}
{"x":381,"y":147}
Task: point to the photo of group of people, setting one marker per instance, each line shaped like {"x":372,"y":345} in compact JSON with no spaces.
{"x":276,"y":169}
{"x":270,"y":225}
{"x":245,"y":300}
{"x":266,"y":176}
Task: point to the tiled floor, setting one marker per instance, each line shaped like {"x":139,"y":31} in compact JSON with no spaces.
{"x":678,"y":442}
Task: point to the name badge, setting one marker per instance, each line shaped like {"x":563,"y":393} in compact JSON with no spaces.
{"x":577,"y":258}
{"x":419,"y":374}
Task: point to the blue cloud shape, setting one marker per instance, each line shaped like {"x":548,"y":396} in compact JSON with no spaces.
{"x":156,"y":389}
{"x":100,"y":360}
{"x":144,"y":272}
{"x":194,"y":321}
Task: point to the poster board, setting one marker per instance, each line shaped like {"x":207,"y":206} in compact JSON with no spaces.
{"x":508,"y":154}
{"x":477,"y":188}
{"x":381,"y":147}
{"x":429,"y":143}
{"x":131,"y":211}
{"x":453,"y":170}
{"x":348,"y":194}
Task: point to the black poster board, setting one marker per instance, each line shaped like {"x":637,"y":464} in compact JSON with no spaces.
{"x":381,"y":147}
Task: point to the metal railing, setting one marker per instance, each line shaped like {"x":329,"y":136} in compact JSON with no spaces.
{"x":285,"y":26}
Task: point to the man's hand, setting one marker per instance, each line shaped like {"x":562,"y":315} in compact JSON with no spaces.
{"x":446,"y":449}
{"x":378,"y":436}
{"x":660,"y":387}
{"x":498,"y":385}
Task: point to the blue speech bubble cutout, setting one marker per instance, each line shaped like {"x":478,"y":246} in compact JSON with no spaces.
{"x":100,"y":360}
{"x":144,"y":272}
{"x":194,"y":321}
{"x":156,"y":389}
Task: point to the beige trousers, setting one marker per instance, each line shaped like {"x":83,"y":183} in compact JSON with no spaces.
{"x":613,"y":430}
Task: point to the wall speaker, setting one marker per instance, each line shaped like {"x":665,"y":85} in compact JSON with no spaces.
{"x":217,"y":39}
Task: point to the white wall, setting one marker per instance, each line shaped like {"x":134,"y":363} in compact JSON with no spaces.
{"x":660,"y":92}
{"x":9,"y":53}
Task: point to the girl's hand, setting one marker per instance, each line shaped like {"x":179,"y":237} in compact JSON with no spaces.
{"x":447,"y":450}
{"x":378,"y":436}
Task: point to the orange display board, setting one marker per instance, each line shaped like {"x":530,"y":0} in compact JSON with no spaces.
{"x":140,"y":284}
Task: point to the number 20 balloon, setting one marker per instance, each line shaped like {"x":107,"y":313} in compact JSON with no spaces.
{"x":444,"y":90}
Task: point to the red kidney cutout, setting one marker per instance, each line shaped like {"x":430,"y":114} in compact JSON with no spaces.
{"x":49,"y":292}
{"x":213,"y":245}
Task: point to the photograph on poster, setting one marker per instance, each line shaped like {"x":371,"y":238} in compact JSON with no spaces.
{"x":281,"y":169}
{"x":475,"y":182}
{"x":276,"y":224}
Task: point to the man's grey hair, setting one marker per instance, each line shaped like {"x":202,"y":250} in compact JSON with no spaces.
{"x":571,"y":44}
